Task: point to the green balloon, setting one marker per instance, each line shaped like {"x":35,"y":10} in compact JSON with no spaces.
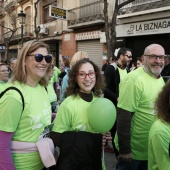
{"x":102,"y":115}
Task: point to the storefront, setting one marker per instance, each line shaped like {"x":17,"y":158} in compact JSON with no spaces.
{"x":140,"y":34}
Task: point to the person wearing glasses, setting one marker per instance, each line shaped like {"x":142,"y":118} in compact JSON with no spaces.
{"x":114,"y":74}
{"x":80,"y":145}
{"x":135,"y":109}
{"x":4,"y":76}
{"x":159,"y":135}
{"x":22,"y":129}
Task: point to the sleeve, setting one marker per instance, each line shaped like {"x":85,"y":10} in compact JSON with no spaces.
{"x":63,"y":119}
{"x":159,"y":145}
{"x":56,"y":74}
{"x":6,"y":161}
{"x":111,"y":84}
{"x":130,"y":93}
{"x":123,"y":130}
{"x":64,"y":86}
{"x":11,"y":110}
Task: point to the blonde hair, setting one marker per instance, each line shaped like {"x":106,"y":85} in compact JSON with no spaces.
{"x":19,"y":73}
{"x":78,"y":56}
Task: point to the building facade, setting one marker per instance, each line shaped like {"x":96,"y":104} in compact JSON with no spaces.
{"x":68,"y":26}
{"x":38,"y":25}
{"x":144,"y":22}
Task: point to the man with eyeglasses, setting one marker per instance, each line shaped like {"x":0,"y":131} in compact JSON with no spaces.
{"x":135,"y":113}
{"x":4,"y":73}
{"x":114,"y":74}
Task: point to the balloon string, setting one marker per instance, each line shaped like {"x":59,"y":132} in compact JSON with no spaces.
{"x":103,"y":153}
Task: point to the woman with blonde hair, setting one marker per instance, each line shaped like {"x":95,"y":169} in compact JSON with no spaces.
{"x":78,"y":56}
{"x":22,"y":122}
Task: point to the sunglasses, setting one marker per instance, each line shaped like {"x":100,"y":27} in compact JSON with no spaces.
{"x":39,"y":57}
{"x":127,"y":55}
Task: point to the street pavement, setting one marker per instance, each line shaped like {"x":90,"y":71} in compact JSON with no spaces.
{"x":110,"y":160}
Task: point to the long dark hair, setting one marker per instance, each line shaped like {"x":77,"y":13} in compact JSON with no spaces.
{"x":73,"y":87}
{"x":162,"y":104}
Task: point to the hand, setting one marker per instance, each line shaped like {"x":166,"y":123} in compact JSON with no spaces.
{"x":106,"y":138}
{"x":126,"y":157}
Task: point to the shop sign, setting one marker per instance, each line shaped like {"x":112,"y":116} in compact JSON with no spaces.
{"x":56,"y":12}
{"x":88,"y":35}
{"x":143,"y":28}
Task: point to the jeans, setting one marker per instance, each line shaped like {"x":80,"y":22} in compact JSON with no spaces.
{"x":132,"y":165}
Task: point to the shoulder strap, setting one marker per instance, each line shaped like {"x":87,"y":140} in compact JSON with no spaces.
{"x":16,"y":89}
{"x":46,"y":89}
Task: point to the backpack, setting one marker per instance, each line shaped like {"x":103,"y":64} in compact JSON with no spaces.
{"x":16,"y":89}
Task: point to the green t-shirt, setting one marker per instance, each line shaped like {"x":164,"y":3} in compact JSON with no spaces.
{"x":55,"y":75}
{"x":51,"y":93}
{"x":122,"y":73}
{"x":138,"y":91}
{"x":3,"y":86}
{"x":72,"y":115}
{"x":158,"y":149}
{"x":27,"y":125}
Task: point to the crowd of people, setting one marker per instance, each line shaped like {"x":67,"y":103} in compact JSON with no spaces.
{"x":35,"y":120}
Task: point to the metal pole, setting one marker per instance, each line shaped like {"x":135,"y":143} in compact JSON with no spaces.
{"x":22,"y":30}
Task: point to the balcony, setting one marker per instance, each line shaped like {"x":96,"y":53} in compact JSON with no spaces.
{"x":143,"y":5}
{"x":86,"y":15}
{"x":10,"y":5}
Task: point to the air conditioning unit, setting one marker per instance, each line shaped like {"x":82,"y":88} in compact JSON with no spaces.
{"x":43,"y":29}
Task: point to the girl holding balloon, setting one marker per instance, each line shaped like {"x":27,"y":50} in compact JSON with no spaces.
{"x":80,"y":144}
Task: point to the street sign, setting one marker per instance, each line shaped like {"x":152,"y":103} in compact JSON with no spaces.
{"x":56,"y":12}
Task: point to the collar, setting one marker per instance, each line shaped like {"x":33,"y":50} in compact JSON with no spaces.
{"x":86,"y":96}
{"x":114,"y":65}
{"x":120,"y":66}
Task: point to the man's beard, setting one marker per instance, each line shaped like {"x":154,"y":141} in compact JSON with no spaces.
{"x":124,"y":63}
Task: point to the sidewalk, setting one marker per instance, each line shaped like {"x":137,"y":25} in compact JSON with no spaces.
{"x":110,"y":160}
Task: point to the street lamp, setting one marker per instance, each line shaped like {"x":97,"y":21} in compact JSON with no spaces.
{"x":22,"y":17}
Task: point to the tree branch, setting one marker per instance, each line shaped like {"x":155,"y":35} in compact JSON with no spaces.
{"x":124,"y":3}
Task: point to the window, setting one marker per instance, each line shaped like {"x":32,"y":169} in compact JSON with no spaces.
{"x":46,"y":15}
{"x":46,"y":4}
{"x":89,"y":10}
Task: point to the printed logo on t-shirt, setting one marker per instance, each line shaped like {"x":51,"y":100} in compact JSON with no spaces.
{"x":152,"y":108}
{"x":41,"y":119}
